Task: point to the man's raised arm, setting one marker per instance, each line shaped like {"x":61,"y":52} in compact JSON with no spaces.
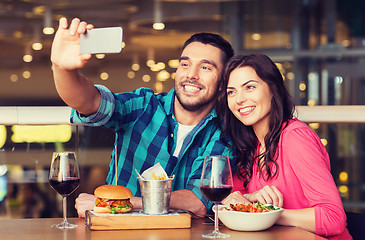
{"x":74,"y":89}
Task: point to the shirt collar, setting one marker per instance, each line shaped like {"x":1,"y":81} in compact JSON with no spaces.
{"x":169,"y":103}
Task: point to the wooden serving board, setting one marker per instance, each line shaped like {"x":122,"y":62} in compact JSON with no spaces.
{"x":136,"y":220}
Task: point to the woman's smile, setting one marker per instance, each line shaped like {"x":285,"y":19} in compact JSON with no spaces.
{"x":246,"y":110}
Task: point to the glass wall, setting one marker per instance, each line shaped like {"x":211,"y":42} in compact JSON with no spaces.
{"x":25,"y":159}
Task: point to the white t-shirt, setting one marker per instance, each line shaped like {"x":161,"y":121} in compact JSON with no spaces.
{"x":182,"y":132}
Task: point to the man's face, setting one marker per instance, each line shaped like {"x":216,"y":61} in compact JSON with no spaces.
{"x":196,"y":79}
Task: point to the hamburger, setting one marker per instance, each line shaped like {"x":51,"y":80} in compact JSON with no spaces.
{"x":112,"y":199}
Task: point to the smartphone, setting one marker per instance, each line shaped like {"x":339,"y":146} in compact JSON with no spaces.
{"x":102,"y":40}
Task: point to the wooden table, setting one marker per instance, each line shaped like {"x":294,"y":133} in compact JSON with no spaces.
{"x":40,"y":229}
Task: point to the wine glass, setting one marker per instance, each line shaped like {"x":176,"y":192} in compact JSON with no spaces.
{"x":64,"y":177}
{"x":216,"y":184}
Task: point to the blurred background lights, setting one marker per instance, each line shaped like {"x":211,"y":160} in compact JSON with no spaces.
{"x":343,"y":189}
{"x":338,"y":79}
{"x":163,"y":76}
{"x":150,"y":63}
{"x":279,"y":66}
{"x":27,"y":74}
{"x":131,"y":74}
{"x":37,"y":46}
{"x":48,"y":30}
{"x":14,"y":77}
{"x":343,"y":176}
{"x":346,"y":43}
{"x":41,"y":134}
{"x":158,"y":26}
{"x":135,"y":67}
{"x":256,"y":36}
{"x":311,"y":102}
{"x":18,"y":34}
{"x":314,"y":126}
{"x":173,"y":63}
{"x":287,"y":65}
{"x":27,"y":58}
{"x":146,"y":78}
{"x":155,"y":68}
{"x":324,"y":141}
{"x":290,"y":75}
{"x":161,"y":65}
{"x":39,"y":10}
{"x":100,"y":56}
{"x":104,"y":76}
{"x":2,"y":135}
{"x":302,"y":86}
{"x":158,"y":87}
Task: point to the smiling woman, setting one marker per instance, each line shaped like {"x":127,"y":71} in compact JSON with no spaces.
{"x":274,"y":149}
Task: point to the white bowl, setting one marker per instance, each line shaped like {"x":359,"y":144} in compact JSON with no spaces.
{"x":246,"y":221}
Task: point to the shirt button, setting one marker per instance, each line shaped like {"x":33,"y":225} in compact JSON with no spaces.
{"x":172,"y":135}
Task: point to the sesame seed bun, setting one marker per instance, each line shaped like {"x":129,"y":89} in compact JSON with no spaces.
{"x":113,"y":192}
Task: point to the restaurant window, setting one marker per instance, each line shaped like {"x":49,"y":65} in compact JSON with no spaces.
{"x":24,"y":167}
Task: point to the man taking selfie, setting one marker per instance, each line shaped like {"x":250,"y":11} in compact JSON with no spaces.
{"x":176,"y":129}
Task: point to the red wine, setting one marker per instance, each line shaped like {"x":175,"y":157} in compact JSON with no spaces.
{"x":65,"y":187}
{"x":216,"y":194}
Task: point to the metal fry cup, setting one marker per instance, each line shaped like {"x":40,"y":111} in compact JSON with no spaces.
{"x":155,"y":195}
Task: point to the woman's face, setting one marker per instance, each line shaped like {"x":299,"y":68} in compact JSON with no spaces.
{"x":249,"y":98}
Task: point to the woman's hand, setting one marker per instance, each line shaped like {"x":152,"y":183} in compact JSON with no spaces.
{"x":235,"y":198}
{"x":267,"y":195}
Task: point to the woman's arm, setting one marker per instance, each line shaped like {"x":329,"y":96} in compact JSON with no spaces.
{"x":304,"y":154}
{"x":303,"y":218}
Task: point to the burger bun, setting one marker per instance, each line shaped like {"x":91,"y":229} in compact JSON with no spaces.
{"x":113,"y":192}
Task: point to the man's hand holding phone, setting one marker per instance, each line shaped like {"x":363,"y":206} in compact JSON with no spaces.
{"x":72,"y":46}
{"x":65,"y":52}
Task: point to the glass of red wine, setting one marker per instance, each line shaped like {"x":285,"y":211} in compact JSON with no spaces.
{"x":216,"y":184}
{"x":64,"y":177}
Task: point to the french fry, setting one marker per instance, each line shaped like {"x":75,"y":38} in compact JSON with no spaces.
{"x":154,"y":176}
{"x":163,"y":177}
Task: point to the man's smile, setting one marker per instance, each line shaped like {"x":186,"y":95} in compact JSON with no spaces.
{"x":191,"y":88}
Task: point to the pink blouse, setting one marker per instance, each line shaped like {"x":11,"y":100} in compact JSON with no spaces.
{"x":304,"y":179}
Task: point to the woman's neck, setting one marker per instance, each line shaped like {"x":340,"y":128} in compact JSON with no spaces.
{"x":261,"y":129}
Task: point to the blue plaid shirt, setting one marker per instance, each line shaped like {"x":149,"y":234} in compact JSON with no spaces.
{"x":145,"y":129}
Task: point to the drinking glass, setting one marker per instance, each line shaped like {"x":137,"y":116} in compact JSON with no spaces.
{"x":64,"y":177}
{"x":216,"y":184}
